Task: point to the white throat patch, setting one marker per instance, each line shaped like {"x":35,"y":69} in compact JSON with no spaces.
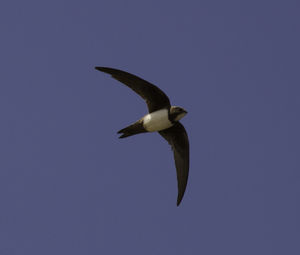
{"x":157,"y":121}
{"x":180,"y":116}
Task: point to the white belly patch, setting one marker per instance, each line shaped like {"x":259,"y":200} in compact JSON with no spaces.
{"x":157,"y":121}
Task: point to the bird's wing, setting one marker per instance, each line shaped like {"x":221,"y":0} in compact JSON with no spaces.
{"x":155,"y":98}
{"x":178,"y":139}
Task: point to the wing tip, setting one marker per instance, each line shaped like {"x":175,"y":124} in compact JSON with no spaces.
{"x":179,"y":199}
{"x":100,"y":68}
{"x":108,"y":70}
{"x":180,"y":195}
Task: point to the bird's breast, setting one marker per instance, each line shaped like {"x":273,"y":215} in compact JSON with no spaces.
{"x":157,"y":121}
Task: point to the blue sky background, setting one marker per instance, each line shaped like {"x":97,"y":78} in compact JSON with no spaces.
{"x":68,"y":185}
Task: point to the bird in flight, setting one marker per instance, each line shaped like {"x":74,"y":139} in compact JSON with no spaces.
{"x":162,"y":117}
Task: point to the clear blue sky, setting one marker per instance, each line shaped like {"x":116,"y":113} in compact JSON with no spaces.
{"x":68,"y":185}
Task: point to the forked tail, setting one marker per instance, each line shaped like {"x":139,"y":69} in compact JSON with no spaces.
{"x":135,"y":128}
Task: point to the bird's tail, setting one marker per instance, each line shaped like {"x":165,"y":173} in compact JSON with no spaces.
{"x":135,"y":128}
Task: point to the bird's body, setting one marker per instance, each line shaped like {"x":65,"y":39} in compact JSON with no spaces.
{"x":157,"y":121}
{"x":162,"y":117}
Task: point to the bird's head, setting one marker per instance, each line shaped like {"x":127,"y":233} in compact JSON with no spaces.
{"x":177,"y":113}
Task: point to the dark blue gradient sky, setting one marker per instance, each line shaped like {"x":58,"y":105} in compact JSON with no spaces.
{"x":68,"y":185}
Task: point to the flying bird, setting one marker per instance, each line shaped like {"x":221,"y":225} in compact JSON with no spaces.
{"x":162,"y":117}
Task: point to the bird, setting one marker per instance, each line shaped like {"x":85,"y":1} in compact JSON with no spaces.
{"x":162,"y":118}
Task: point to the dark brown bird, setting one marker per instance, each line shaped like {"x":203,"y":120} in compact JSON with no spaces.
{"x":162,"y":117}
